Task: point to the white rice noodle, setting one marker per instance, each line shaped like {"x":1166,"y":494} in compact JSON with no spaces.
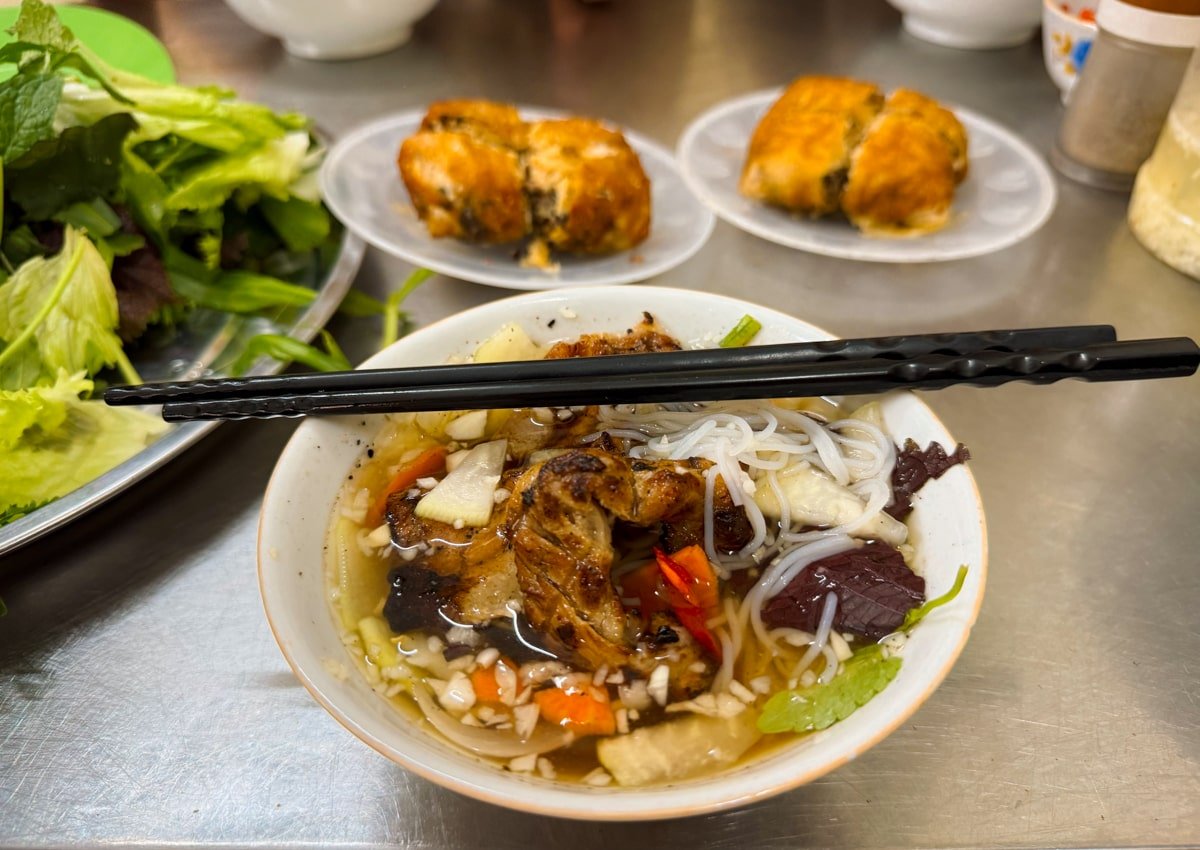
{"x":820,"y":638}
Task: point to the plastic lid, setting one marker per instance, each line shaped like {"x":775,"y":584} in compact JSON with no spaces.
{"x":1138,"y":24}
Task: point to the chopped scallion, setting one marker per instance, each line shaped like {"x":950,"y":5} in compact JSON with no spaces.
{"x":745,"y":330}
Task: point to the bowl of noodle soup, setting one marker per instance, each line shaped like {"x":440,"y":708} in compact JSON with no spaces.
{"x":408,"y":703}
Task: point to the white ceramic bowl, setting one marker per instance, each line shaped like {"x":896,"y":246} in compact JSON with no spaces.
{"x":973,"y":24}
{"x":948,"y":529}
{"x":347,"y":29}
{"x":1066,"y":39}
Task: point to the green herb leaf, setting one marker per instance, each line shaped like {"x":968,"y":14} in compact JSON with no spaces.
{"x":916,"y":615}
{"x":287,"y":350}
{"x":95,"y":216}
{"x":27,"y":106}
{"x":392,"y":314}
{"x":358,"y":305}
{"x":80,"y":164}
{"x":745,"y":330}
{"x":60,"y":314}
{"x":146,"y":194}
{"x":38,"y":24}
{"x":15,"y":513}
{"x":53,"y":442}
{"x":301,"y":225}
{"x":233,"y":292}
{"x":864,"y":674}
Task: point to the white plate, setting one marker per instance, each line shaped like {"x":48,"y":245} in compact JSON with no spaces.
{"x":362,"y":186}
{"x":1008,"y":194}
{"x":947,"y":529}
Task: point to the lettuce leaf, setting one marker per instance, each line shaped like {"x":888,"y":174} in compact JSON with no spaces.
{"x":52,"y":442}
{"x":863,"y":675}
{"x":60,"y":313}
{"x":270,"y":168}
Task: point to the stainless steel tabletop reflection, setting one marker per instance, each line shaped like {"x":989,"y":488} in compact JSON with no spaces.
{"x":143,"y":701}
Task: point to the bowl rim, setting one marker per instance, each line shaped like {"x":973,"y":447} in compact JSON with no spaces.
{"x":579,"y":810}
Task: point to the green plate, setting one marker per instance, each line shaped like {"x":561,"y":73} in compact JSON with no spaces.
{"x":118,"y":41}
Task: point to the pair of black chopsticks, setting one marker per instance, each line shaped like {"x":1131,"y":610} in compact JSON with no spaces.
{"x":837,"y":367}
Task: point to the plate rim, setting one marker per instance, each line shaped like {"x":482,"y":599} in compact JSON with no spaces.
{"x":699,"y":187}
{"x":170,"y":445}
{"x":531,"y":282}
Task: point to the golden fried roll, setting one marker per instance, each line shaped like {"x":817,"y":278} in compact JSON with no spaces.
{"x":939,"y":118}
{"x":857,"y":100}
{"x":588,"y":192}
{"x":901,"y":177}
{"x":483,"y":120}
{"x":801,"y":148}
{"x":799,"y":165}
{"x":465,"y":188}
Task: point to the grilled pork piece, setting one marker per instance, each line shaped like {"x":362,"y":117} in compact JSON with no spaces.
{"x":562,"y":539}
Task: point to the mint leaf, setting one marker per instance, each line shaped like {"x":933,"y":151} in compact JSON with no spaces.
{"x":863,"y":675}
{"x":916,"y":615}
{"x":38,"y":23}
{"x":81,"y":164}
{"x":27,"y":105}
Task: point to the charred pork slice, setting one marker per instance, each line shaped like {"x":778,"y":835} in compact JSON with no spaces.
{"x":481,"y":559}
{"x":562,"y":542}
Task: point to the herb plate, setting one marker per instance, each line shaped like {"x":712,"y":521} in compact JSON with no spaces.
{"x":203,"y":345}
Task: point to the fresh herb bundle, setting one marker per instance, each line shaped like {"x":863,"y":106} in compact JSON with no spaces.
{"x":127,"y":204}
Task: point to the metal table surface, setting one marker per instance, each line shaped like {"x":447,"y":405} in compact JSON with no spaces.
{"x":143,"y":701}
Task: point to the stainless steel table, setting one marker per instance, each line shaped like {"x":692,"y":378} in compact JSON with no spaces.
{"x":142,"y":700}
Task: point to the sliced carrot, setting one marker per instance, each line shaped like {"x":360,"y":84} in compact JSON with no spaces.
{"x":583,"y":711}
{"x":484,"y":682}
{"x":429,"y":462}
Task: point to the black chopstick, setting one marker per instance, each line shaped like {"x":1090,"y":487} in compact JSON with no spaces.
{"x":1109,"y":361}
{"x":627,"y":366}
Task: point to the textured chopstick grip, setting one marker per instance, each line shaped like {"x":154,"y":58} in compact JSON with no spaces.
{"x":890,"y":348}
{"x":1114,"y":361}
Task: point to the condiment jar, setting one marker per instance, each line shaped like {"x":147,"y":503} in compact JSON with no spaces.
{"x":1164,"y":213}
{"x":1118,"y":107}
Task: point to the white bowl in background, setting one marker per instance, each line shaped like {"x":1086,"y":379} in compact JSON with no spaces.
{"x":1066,"y":39}
{"x":347,"y":29}
{"x":947,"y":529}
{"x":971,"y":24}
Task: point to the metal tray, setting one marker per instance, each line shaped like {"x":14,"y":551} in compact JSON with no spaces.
{"x":206,"y":341}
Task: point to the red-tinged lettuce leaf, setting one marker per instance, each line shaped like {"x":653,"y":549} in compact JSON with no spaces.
{"x":143,"y":291}
{"x":874,"y":587}
{"x":914,"y":467}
